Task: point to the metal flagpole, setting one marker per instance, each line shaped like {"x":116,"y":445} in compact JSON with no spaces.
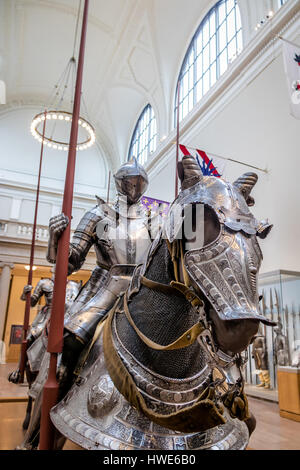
{"x":29,"y":280}
{"x":289,"y":42}
{"x":55,"y":340}
{"x":227,"y":159}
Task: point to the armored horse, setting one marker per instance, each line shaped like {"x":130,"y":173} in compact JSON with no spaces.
{"x":164,"y":369}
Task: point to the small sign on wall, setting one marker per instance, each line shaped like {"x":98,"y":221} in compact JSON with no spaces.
{"x":16,"y":334}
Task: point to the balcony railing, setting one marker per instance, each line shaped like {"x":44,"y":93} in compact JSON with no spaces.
{"x":18,"y":230}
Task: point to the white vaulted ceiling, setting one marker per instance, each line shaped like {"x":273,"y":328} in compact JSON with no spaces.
{"x":133,"y":54}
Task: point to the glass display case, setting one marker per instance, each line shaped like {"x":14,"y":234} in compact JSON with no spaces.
{"x":280,"y":302}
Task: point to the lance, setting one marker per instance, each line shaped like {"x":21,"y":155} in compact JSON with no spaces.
{"x":177,"y":139}
{"x":108,"y":189}
{"x":278,"y":309}
{"x":271,"y":309}
{"x":55,"y":339}
{"x":287,"y":328}
{"x":29,"y":279}
{"x":263,"y":303}
{"x":272,"y":318}
{"x":298,"y":325}
{"x":294,"y":325}
{"x":277,"y":305}
{"x":271,"y":304}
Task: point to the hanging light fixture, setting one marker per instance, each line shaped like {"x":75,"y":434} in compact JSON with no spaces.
{"x":65,"y":116}
{"x":59,"y":116}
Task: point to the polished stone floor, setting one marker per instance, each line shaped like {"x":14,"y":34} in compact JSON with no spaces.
{"x":261,"y":392}
{"x":272,"y":431}
{"x":7,"y":389}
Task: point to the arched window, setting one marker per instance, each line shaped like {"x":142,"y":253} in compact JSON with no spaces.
{"x":217,"y":41}
{"x":144,"y":137}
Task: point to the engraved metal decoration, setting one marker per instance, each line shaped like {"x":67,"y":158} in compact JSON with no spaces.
{"x":102,"y":397}
{"x":123,"y":428}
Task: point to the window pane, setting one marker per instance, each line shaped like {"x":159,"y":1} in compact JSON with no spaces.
{"x":199,"y":92}
{"x":191,"y":100}
{"x":230,"y":5}
{"x":240,"y":41}
{"x":199,"y":43}
{"x":222,"y":12}
{"x":190,"y":58}
{"x":231,"y":26}
{"x":191,"y":78}
{"x":181,"y":112}
{"x":213,"y":74}
{"x":223,"y":62}
{"x":238,"y":19}
{"x":185,"y":107}
{"x":205,"y":32}
{"x":206,"y":82}
{"x":185,"y":85}
{"x":206,"y":58}
{"x":222,"y":37}
{"x":199,"y":67}
{"x":212,"y":24}
{"x":218,"y":40}
{"x":154,"y":128}
{"x":213,"y":49}
{"x":231,"y":49}
{"x":144,"y":137}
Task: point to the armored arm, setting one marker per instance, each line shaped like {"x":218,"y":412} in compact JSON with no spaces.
{"x":37,"y":294}
{"x":82,"y":240}
{"x":26,"y":289}
{"x":57,"y":225}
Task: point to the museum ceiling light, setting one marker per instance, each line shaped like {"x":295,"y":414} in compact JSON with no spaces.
{"x":55,"y":142}
{"x":27,"y":267}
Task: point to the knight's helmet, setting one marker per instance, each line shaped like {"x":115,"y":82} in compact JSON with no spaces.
{"x":131,"y":181}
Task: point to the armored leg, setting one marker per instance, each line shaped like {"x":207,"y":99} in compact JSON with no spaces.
{"x":31,"y":439}
{"x":266,"y":378}
{"x":15,"y":376}
{"x":261,"y":378}
{"x":27,"y":415}
{"x":73,"y":346}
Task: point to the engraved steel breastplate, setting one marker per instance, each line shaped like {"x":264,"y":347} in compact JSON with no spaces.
{"x":124,"y":234}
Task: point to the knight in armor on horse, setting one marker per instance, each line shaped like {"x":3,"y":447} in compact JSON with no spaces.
{"x":165,"y":370}
{"x":121,"y":236}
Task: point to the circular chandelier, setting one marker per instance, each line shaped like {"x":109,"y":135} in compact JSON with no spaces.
{"x":61,"y":116}
{"x":60,"y":103}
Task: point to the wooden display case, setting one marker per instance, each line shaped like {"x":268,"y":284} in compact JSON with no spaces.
{"x":288,"y":380}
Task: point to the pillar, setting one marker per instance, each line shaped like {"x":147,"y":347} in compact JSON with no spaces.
{"x":4,"y":292}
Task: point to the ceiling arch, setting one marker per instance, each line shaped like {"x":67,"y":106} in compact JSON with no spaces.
{"x":134,"y":51}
